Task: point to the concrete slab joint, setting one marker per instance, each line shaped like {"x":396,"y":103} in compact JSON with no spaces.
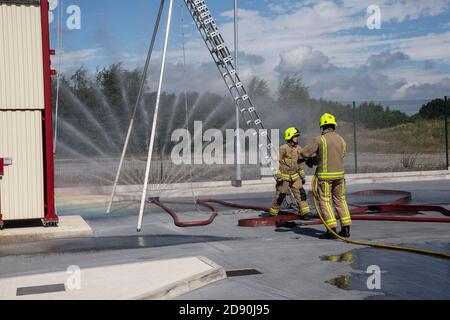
{"x":152,"y":280}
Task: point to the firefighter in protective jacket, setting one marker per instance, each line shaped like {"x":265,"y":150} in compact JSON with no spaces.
{"x":291,"y":174}
{"x":328,"y":152}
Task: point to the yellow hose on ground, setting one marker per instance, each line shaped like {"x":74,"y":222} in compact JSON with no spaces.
{"x":375,"y":245}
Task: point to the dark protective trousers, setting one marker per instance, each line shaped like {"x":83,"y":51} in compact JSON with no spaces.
{"x":331,"y":192}
{"x":282,"y":189}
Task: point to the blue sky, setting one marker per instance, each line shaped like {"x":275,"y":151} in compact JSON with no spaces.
{"x":327,"y":41}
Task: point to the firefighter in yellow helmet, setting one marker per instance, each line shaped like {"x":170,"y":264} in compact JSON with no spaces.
{"x":290,"y":174}
{"x":328,"y":152}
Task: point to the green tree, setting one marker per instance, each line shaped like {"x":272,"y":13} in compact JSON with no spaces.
{"x":109,"y":81}
{"x":433,"y":109}
{"x":292,"y":91}
{"x":374,"y":116}
{"x":258,"y":88}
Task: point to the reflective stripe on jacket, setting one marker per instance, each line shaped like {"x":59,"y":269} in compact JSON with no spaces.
{"x":331,"y":150}
{"x":290,"y":167}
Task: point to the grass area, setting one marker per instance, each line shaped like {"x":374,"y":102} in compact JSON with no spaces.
{"x":421,"y":136}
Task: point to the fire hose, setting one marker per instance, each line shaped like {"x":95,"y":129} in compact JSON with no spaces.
{"x":397,"y":210}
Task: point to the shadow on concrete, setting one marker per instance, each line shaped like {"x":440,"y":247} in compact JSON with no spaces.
{"x":106,"y":244}
{"x":304,"y":231}
{"x":23,"y":224}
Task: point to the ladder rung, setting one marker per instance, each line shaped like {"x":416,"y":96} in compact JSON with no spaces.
{"x":208,"y":21}
{"x":222,"y":57}
{"x":237,"y":85}
{"x":228,"y":74}
{"x":214,"y":34}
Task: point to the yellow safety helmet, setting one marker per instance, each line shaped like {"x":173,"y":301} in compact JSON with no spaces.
{"x":327,"y":119}
{"x":291,"y":133}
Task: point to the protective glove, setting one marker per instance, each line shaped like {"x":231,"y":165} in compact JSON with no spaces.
{"x":311,"y":162}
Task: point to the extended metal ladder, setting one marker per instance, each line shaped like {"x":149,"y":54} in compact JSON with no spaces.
{"x":224,"y":61}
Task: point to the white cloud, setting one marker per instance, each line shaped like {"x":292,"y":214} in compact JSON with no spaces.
{"x":428,"y":90}
{"x":303,"y":59}
{"x":76,"y":59}
{"x":386,"y":59}
{"x":277,"y":8}
{"x":412,"y":9}
{"x":302,"y":37}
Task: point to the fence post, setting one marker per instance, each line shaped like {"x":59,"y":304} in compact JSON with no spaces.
{"x":446,"y":131}
{"x":354,"y":137}
{"x":161,"y":159}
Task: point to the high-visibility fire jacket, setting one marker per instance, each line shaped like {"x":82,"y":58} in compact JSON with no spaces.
{"x":331,"y":150}
{"x":290,"y":163}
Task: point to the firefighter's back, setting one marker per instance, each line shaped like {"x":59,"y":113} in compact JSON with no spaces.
{"x":332,"y":152}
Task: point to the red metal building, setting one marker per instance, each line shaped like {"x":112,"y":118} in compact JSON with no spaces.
{"x":27,"y":185}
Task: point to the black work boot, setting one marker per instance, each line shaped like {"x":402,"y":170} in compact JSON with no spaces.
{"x":345,"y":232}
{"x":329,"y":235}
{"x":307,"y":217}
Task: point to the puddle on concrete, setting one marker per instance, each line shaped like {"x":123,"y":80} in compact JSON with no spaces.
{"x":404,"y":276}
{"x":345,"y":257}
{"x":342,"y":282}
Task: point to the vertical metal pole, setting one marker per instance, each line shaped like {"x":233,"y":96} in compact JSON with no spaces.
{"x":446,"y":131}
{"x":47,"y":121}
{"x":155,"y":120}
{"x":136,"y":106}
{"x":1,"y":216}
{"x":58,"y":79}
{"x":238,"y":182}
{"x":354,"y":137}
{"x":161,"y":160}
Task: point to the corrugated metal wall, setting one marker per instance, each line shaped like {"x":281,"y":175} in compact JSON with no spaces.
{"x":22,"y":194}
{"x":21,"y":105}
{"x":21,"y":68}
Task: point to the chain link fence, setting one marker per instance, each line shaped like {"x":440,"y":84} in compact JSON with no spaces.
{"x":373,"y":145}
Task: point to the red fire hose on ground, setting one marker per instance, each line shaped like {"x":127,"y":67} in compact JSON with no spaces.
{"x":397,"y":210}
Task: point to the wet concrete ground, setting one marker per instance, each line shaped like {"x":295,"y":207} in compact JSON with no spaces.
{"x":290,"y":260}
{"x":404,"y":276}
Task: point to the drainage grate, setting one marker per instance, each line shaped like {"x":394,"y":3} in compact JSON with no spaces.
{"x":242,"y":273}
{"x":27,"y":291}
